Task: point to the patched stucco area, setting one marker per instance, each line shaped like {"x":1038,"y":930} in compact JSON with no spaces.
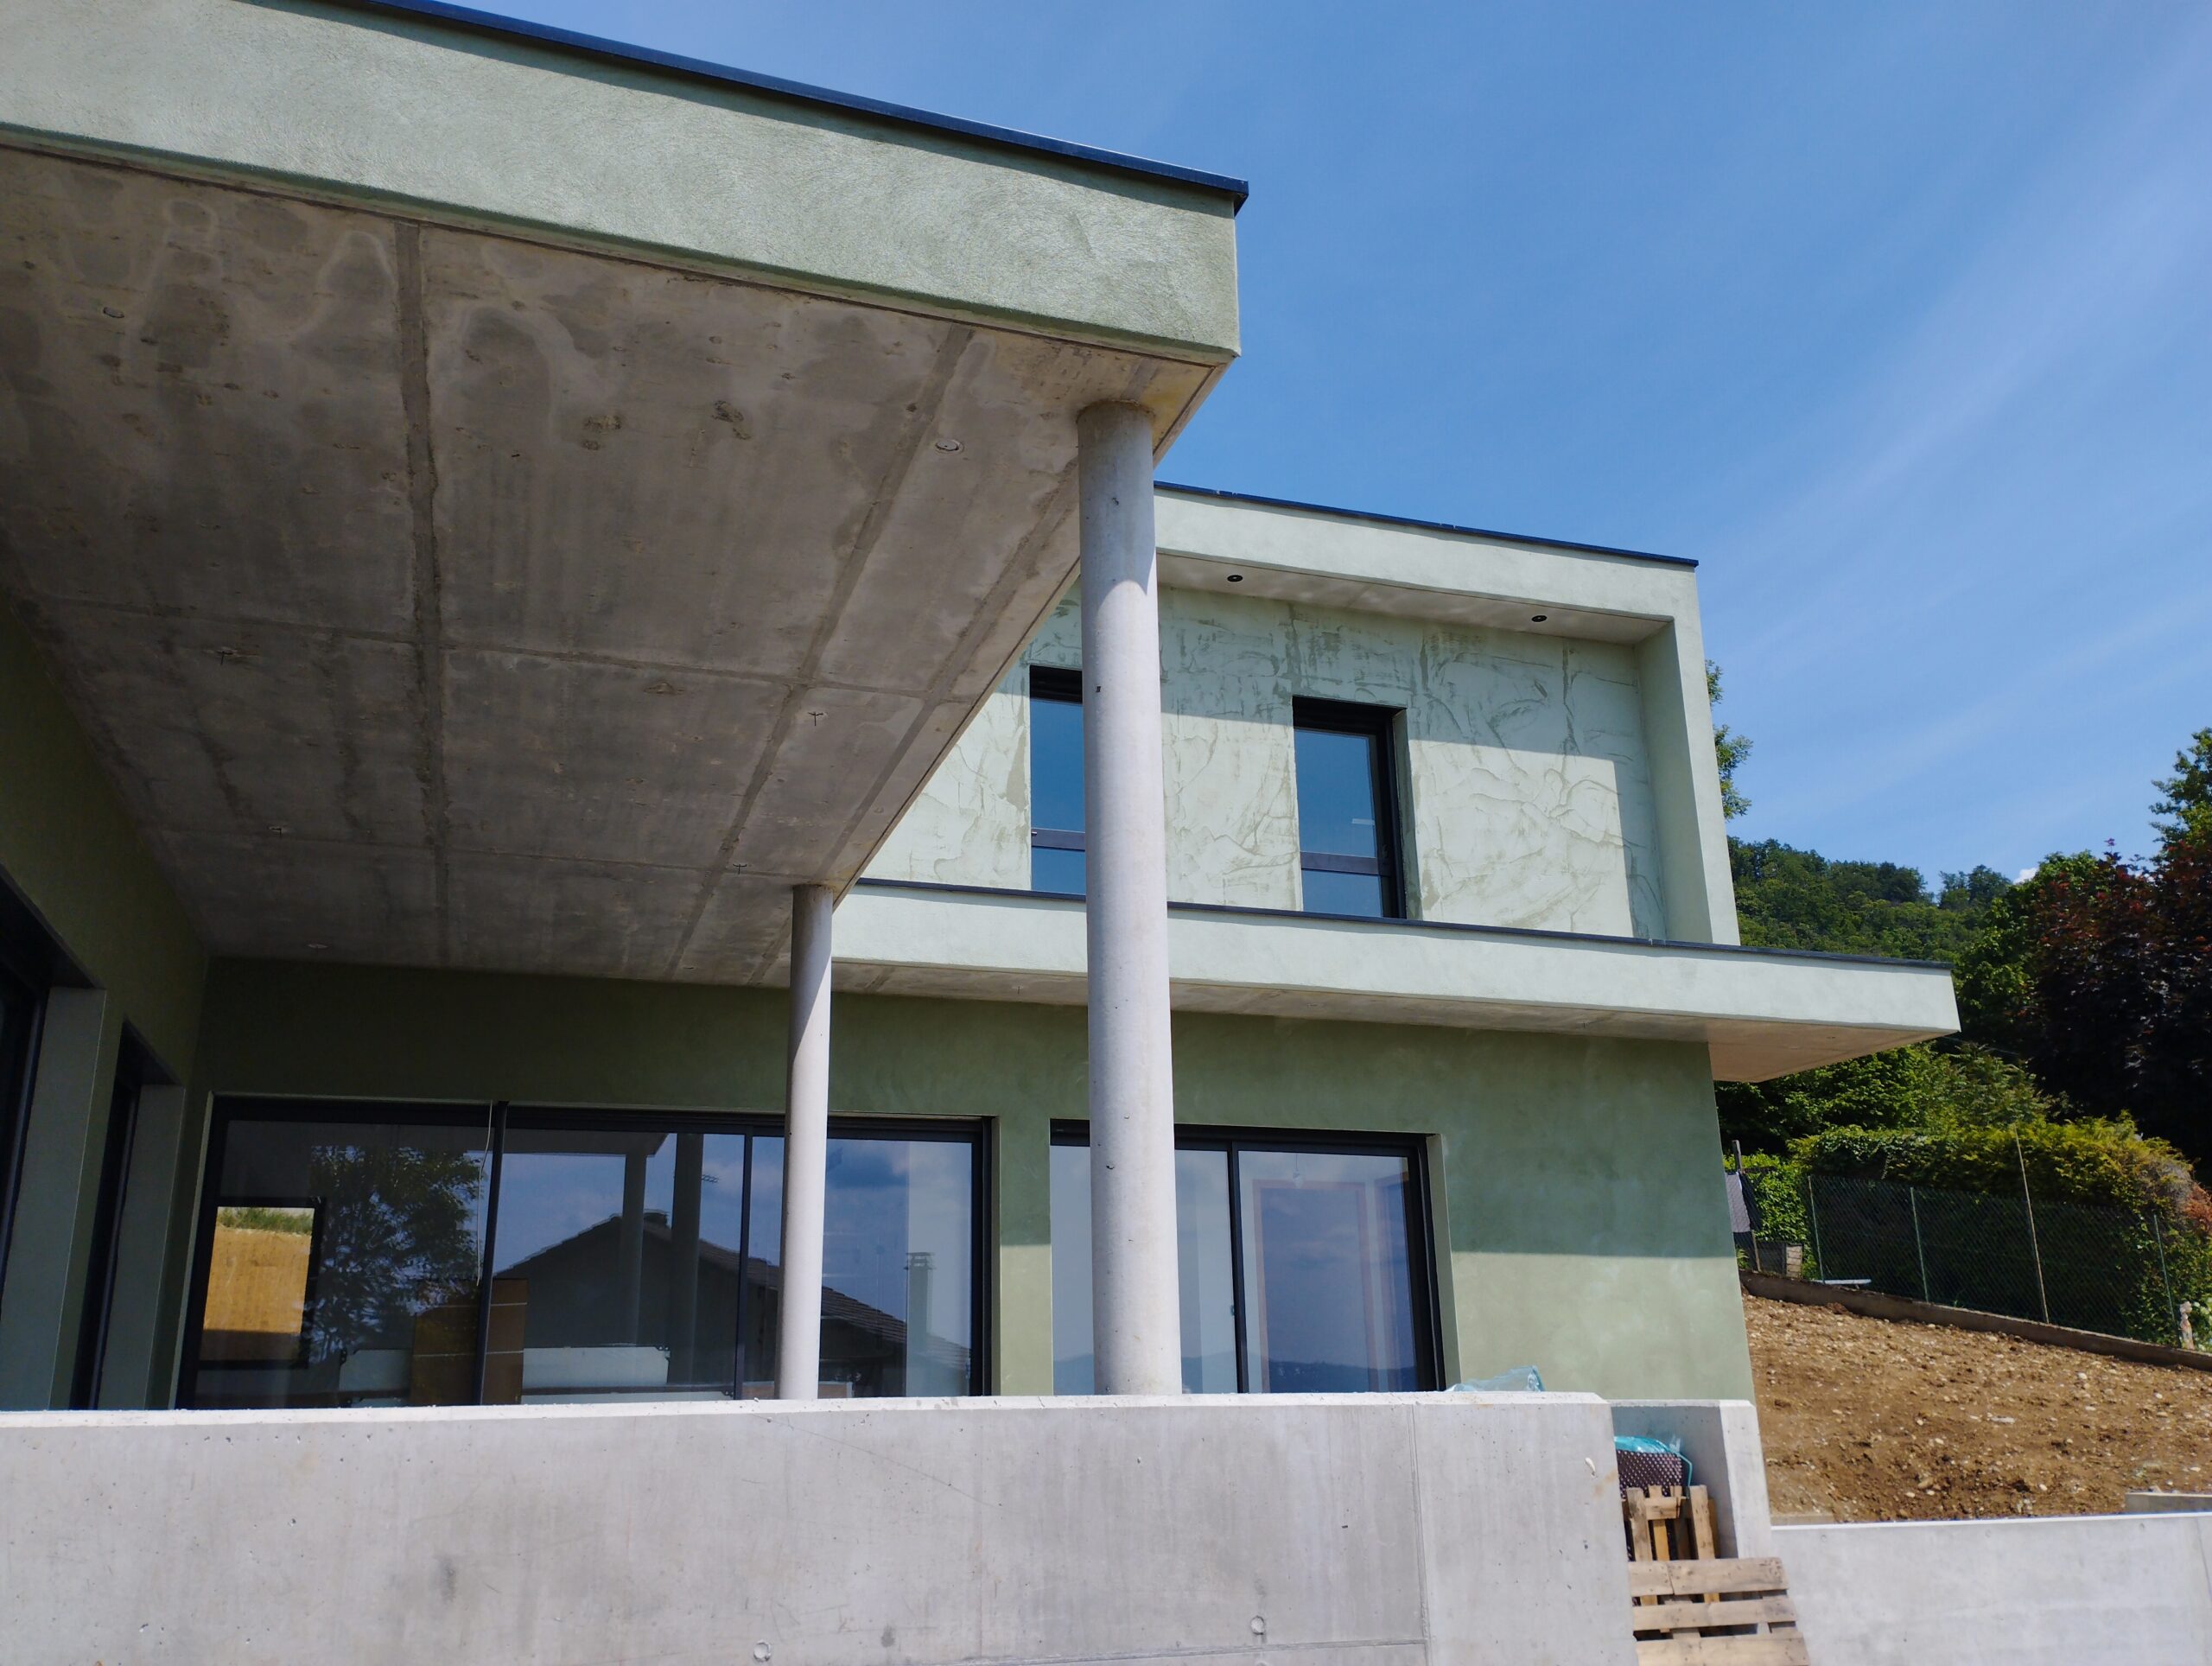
{"x":1527,"y":790}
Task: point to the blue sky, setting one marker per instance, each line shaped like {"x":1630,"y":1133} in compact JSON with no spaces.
{"x":1898,"y":318}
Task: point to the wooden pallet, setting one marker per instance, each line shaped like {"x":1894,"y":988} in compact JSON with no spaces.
{"x":1669,"y":1523}
{"x":1723,"y":1610}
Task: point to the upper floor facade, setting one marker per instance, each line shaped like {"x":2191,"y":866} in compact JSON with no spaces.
{"x":1374,"y":719}
{"x":1412,"y":773}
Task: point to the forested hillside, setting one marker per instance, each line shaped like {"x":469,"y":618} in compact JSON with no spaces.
{"x":2085,"y":992}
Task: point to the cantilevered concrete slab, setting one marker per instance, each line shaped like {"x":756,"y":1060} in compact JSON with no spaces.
{"x":1764,"y":1013}
{"x":491,"y":505}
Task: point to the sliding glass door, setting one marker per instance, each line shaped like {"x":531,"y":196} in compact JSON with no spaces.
{"x":458,"y":1255}
{"x":1302,"y":1260}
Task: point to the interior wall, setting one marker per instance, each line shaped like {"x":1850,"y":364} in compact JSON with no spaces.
{"x":1577,"y":1198}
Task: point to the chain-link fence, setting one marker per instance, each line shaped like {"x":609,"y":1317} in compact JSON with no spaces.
{"x":2088,"y":1266}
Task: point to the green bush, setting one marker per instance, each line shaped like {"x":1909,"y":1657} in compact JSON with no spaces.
{"x":2120,"y":1220}
{"x":2095,"y":1161}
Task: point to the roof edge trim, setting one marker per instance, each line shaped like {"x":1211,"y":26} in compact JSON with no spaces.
{"x":699,"y":69}
{"x":1342,"y":513}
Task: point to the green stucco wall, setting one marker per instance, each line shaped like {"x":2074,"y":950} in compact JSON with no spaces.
{"x":1576,"y":1185}
{"x":1525,"y":794}
{"x":68,"y":847}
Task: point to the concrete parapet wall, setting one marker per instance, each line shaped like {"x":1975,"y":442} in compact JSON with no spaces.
{"x":2053,"y":1591}
{"x":1720,"y":1438}
{"x":1348,"y":1531}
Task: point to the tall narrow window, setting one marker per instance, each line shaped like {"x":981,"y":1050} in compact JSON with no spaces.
{"x":1347,"y":825}
{"x":1056,"y":856}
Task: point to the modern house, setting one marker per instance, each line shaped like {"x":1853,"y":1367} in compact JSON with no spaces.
{"x":527,"y":566}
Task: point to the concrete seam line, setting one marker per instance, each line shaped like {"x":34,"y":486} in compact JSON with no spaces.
{"x":427,"y":586}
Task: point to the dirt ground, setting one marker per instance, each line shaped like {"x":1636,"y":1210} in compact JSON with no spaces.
{"x":1870,"y":1420}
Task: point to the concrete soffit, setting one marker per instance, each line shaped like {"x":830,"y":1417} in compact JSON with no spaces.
{"x":438,"y":597}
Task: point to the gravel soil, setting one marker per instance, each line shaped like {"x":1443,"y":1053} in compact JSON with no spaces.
{"x":1872,"y":1420}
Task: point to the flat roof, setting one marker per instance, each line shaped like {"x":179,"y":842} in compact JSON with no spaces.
{"x":1425,"y":525}
{"x":698,"y":69}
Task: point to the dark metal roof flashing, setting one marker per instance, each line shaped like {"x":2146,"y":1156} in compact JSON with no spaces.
{"x":697,"y":69}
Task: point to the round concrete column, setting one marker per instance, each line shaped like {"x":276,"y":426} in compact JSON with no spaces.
{"x":1135,"y":1317}
{"x":806,"y":1147}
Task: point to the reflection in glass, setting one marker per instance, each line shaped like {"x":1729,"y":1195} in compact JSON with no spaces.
{"x":1056,"y":872}
{"x":344,"y":1267}
{"x":1342,"y":893}
{"x":621,"y":1248}
{"x":1056,"y":853}
{"x":1208,"y":1310}
{"x":1330,"y":1275}
{"x":1336,"y":776}
{"x":897,"y":1258}
{"x":1056,"y":762}
{"x":633,"y":1259}
{"x":1328,"y":1271}
{"x":1346,"y":864}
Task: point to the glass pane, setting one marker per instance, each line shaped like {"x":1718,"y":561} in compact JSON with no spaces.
{"x":1059,"y":872}
{"x":1055,"y":764}
{"x":1328,"y":1272}
{"x":1337,"y":775}
{"x":619,"y":1252}
{"x":345,"y":1263}
{"x":1342,"y":893}
{"x":1203,"y":1260}
{"x":898,"y":1266}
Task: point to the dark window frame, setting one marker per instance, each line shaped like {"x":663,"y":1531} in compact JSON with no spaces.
{"x":1062,"y":687}
{"x":1379,"y":724}
{"x":1421,"y":1233}
{"x":500,"y":1117}
{"x":134,"y":1074}
{"x":31,"y":968}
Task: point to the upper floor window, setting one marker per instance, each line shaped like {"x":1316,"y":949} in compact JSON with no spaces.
{"x":1056,"y":856}
{"x":1347,"y":800}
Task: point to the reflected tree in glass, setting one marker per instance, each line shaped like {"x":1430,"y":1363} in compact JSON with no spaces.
{"x":399,"y":1234}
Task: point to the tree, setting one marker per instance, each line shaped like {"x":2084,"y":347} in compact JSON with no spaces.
{"x":2110,"y":1002}
{"x":1914,"y":1087}
{"x":1729,"y":749}
{"x":2187,"y":807}
{"x":1792,"y":899}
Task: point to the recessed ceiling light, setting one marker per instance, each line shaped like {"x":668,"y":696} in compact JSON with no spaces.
{"x":948,"y":445}
{"x":1538,"y":618}
{"x":1237,"y":578}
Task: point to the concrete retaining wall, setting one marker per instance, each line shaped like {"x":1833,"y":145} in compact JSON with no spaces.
{"x":1352,"y":1531}
{"x":2049,"y":1592}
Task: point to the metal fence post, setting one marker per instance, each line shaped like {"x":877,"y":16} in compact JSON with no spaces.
{"x":2034,"y":1248}
{"x":2158,"y":1238}
{"x":1750,"y":1207}
{"x":1813,"y":1211}
{"x":1912,"y":1201}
